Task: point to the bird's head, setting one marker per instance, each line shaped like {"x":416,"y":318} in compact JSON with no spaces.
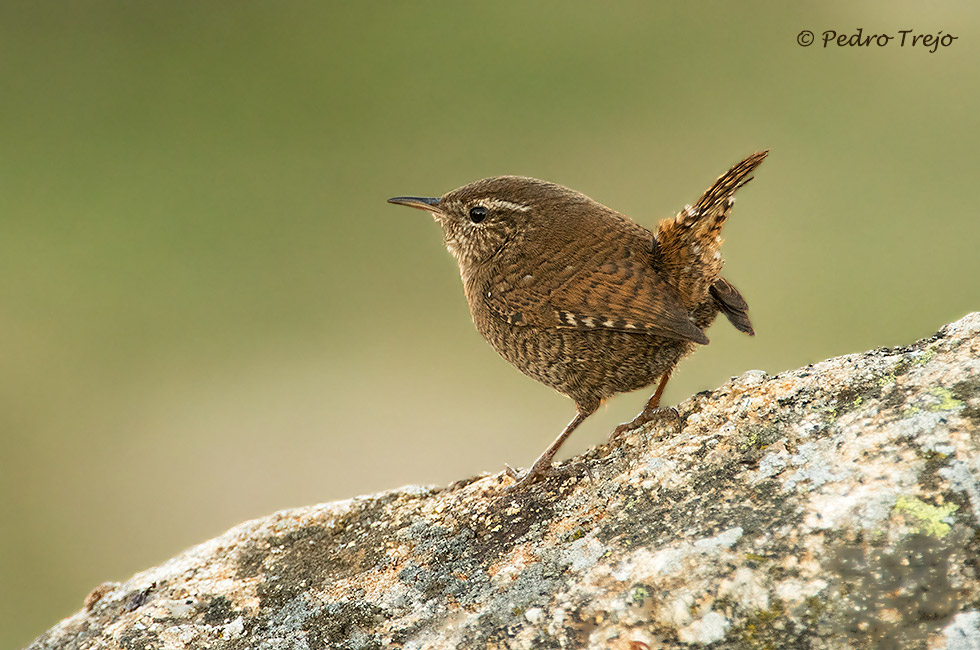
{"x":479,"y":220}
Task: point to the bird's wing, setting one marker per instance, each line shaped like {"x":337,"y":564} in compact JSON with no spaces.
{"x":625,"y":296}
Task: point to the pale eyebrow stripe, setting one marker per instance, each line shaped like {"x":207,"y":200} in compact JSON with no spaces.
{"x":490,"y":204}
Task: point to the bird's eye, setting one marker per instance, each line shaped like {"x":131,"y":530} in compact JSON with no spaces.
{"x":478,"y":214}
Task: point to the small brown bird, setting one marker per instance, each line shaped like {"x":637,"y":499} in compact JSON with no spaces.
{"x":581,"y":298}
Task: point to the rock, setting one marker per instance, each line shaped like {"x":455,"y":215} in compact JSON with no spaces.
{"x":834,"y":506}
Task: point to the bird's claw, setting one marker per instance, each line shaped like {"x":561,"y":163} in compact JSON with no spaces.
{"x":536,"y":473}
{"x":523,"y":479}
{"x":646,"y":416}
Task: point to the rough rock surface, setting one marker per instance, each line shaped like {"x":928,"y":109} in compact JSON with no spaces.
{"x":834,"y":506}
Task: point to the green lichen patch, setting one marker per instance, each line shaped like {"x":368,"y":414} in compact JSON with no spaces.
{"x":639,"y":594}
{"x":925,"y":357}
{"x":927,"y":519}
{"x":852,"y":396}
{"x":760,"y":438}
{"x":910,"y":412}
{"x":947,"y":402}
{"x":765,"y":629}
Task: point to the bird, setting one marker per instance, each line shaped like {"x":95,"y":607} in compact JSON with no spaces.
{"x":582,"y":298}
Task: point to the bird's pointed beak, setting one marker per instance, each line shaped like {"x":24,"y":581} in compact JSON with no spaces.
{"x":418,"y":202}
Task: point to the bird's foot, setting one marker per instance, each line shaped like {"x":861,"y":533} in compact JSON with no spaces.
{"x":646,"y":416}
{"x":536,"y":473}
{"x":523,"y":479}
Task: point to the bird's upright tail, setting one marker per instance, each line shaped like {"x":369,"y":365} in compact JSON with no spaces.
{"x":686,"y":248}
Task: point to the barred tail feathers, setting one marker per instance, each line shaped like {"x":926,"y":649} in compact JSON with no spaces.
{"x":687,"y":246}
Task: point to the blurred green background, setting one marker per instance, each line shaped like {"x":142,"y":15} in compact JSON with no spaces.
{"x":208,"y":312}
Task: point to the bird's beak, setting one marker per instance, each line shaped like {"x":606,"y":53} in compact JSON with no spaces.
{"x":418,"y":202}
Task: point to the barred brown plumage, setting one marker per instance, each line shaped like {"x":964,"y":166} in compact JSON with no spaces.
{"x":581,"y":298}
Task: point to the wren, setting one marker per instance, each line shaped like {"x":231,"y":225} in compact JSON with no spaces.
{"x":580,"y":297}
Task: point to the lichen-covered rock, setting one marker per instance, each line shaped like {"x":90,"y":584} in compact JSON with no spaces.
{"x":835,"y":506}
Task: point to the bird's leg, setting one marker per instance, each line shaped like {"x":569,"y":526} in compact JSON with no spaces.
{"x":542,"y":466}
{"x":649,"y":412}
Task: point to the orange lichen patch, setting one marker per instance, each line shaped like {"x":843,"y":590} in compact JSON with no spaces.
{"x":98,"y":593}
{"x":513,"y":563}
